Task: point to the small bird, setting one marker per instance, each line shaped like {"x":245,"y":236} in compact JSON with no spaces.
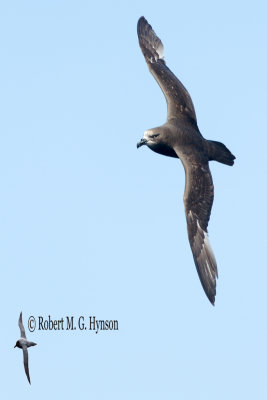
{"x":23,"y":344}
{"x":180,"y":137}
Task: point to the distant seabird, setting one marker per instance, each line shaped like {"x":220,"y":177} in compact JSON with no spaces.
{"x":180,"y":137}
{"x":23,"y":344}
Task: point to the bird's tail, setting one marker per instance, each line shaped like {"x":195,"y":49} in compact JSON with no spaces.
{"x":29,"y":344}
{"x":218,"y":151}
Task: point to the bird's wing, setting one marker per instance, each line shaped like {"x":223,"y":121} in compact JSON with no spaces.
{"x":198,"y":199}
{"x":179,"y":102}
{"x":26,"y":362}
{"x":21,"y":327}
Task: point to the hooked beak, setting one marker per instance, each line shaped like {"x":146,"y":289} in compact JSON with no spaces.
{"x":141,"y":143}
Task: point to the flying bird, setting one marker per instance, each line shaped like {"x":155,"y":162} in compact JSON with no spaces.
{"x":180,"y":137}
{"x":23,"y":344}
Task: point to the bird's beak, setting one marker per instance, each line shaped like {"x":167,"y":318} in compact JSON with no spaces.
{"x":141,"y":143}
{"x":15,"y":346}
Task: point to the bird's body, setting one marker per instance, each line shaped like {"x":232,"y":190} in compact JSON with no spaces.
{"x":23,"y":344}
{"x":180,"y":137}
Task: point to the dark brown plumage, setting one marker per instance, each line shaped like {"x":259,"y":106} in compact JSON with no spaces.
{"x":23,"y":344}
{"x":180,"y":137}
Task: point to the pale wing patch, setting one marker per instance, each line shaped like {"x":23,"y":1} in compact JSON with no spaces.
{"x":160,"y":50}
{"x":204,"y":255}
{"x":208,"y":248}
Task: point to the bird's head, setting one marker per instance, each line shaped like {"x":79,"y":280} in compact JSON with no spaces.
{"x":152,"y":138}
{"x":158,"y":140}
{"x":17,"y":344}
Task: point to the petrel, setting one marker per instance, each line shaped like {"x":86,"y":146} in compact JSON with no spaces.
{"x":180,"y":137}
{"x":23,"y":344}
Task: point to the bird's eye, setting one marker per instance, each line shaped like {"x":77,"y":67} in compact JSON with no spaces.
{"x":153,"y":136}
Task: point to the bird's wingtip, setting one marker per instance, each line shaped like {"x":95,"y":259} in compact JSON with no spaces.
{"x":142,"y":18}
{"x":141,"y":22}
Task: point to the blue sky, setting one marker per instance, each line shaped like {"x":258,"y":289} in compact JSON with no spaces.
{"x":92,"y":227}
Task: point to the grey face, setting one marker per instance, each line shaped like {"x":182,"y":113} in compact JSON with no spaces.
{"x":150,"y":139}
{"x":155,"y":139}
